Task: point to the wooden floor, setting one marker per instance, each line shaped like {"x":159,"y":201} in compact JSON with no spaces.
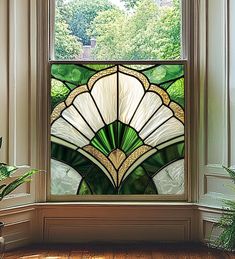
{"x":163,"y":251}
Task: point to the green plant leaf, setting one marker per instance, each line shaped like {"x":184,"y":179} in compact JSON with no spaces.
{"x":2,"y":186}
{"x":6,"y":171}
{"x":16,"y":183}
{"x":231,"y":173}
{"x":230,"y":205}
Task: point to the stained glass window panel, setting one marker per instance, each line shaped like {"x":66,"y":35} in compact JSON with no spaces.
{"x":117,"y":129}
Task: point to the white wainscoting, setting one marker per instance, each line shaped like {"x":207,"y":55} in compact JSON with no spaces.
{"x":19,"y":226}
{"x":117,"y":223}
{"x":207,"y":217}
{"x":108,"y":223}
{"x":112,"y":223}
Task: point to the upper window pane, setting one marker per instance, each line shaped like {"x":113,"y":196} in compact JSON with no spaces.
{"x":117,"y":30}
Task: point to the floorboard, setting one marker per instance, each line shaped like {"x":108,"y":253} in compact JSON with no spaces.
{"x":158,"y":251}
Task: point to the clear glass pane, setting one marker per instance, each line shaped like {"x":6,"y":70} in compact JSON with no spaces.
{"x":117,"y":129}
{"x":117,"y":30}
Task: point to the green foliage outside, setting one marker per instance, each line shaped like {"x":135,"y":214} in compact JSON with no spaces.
{"x":142,"y":31}
{"x":67,"y":46}
{"x":82,"y":13}
{"x":137,"y":36}
{"x":129,"y":4}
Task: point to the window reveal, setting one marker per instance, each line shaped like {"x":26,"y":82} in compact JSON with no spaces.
{"x":117,"y":129}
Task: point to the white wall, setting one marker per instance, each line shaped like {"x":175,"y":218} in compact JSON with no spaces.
{"x":18,"y":109}
{"x":216,"y":139}
{"x":18,"y":90}
{"x":217,"y":108}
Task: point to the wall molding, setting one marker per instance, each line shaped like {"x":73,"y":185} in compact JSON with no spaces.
{"x":18,"y":92}
{"x":43,"y":148}
{"x":215,"y":117}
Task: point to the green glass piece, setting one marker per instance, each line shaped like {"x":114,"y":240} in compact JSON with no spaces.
{"x":127,"y":138}
{"x":59,"y":92}
{"x":99,"y":185}
{"x":71,"y":86}
{"x":176,"y":91}
{"x":151,"y":188}
{"x":163,"y":157}
{"x":130,"y":140}
{"x":99,"y":67}
{"x":116,"y":135}
{"x":119,"y":132}
{"x":112,"y":134}
{"x":98,"y":182}
{"x":73,"y":74}
{"x":83,"y":188}
{"x":167,"y":85}
{"x":161,"y":74}
{"x":136,"y":182}
{"x":101,"y":141}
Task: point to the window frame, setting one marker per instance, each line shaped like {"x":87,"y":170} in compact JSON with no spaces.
{"x":187,"y":36}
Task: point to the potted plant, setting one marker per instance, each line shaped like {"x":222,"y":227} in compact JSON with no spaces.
{"x":226,"y":239}
{"x":6,"y":172}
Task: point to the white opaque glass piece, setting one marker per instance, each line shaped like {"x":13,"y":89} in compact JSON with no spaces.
{"x":170,"y":129}
{"x":130,"y":93}
{"x":170,"y":142}
{"x":87,"y":108}
{"x":64,"y":130}
{"x":170,"y":180}
{"x":149,"y":104}
{"x":163,"y":114}
{"x":63,"y":142}
{"x":64,"y":179}
{"x":104,"y":93}
{"x":71,"y":115}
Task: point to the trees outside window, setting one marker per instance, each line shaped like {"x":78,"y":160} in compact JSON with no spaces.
{"x":118,"y":30}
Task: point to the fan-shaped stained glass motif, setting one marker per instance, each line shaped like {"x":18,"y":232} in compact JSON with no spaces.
{"x":117,"y":130}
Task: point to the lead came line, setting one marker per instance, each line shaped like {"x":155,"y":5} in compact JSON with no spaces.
{"x":83,"y":118}
{"x":157,"y":127}
{"x":150,"y":118}
{"x":75,"y":128}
